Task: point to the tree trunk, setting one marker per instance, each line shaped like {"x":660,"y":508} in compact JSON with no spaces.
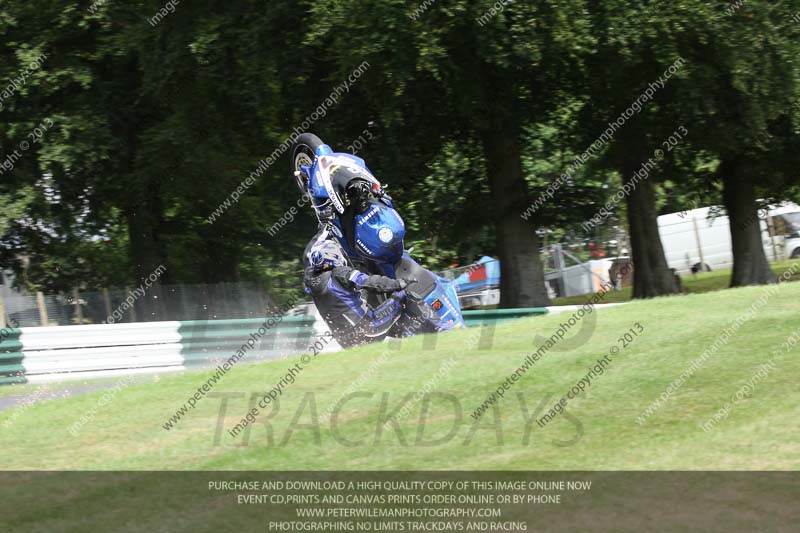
{"x":221,"y":264}
{"x":522,"y":273}
{"x":651,"y":275}
{"x":146,"y":257}
{"x":750,"y":265}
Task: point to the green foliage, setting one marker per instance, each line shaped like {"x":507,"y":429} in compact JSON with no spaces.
{"x":13,"y":206}
{"x":444,"y":217}
{"x":154,"y":127}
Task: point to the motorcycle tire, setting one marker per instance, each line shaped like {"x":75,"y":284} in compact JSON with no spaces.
{"x":304,"y":153}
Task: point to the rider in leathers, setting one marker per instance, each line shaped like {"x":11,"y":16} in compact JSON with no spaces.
{"x":337,"y":292}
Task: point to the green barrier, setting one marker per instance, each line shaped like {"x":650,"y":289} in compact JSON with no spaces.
{"x":11,"y":356}
{"x":204,"y":342}
{"x":7,"y":358}
{"x":243,"y":333}
{"x":244,"y":323}
{"x":234,"y":344}
{"x":494,"y":316}
{"x":208,"y":342}
{"x":13,"y":380}
{"x":12,"y":373}
{"x":9,"y":346}
{"x":214,"y":358}
{"x":9,"y":340}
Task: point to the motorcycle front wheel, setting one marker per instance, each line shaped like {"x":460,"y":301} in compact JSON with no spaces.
{"x":303,"y":154}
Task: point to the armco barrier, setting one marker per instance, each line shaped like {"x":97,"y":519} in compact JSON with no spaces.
{"x":209,"y":341}
{"x":11,"y":370}
{"x":70,"y":352}
{"x":493,"y":316}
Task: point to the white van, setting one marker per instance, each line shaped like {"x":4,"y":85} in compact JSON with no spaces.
{"x":700,"y":239}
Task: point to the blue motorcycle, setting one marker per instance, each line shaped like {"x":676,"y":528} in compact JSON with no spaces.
{"x":352,"y":206}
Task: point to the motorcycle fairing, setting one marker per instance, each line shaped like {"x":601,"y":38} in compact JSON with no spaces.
{"x":434,"y":298}
{"x":328,"y":185}
{"x":438,"y":294}
{"x":378,"y":232}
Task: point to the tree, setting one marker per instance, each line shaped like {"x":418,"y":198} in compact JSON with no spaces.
{"x":155,"y":128}
{"x":628,"y":112}
{"x":463,"y":71}
{"x":742,"y":84}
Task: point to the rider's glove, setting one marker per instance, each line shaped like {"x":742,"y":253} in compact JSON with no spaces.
{"x":352,"y":279}
{"x":383,"y":284}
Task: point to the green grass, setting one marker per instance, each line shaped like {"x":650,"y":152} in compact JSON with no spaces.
{"x":692,"y":284}
{"x":760,"y":433}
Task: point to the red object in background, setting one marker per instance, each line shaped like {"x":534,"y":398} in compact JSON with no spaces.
{"x":595,"y":252}
{"x":479,"y":274}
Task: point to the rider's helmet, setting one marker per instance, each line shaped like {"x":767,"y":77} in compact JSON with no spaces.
{"x":326,"y":255}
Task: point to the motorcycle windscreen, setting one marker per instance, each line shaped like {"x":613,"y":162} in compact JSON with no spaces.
{"x":407,"y":268}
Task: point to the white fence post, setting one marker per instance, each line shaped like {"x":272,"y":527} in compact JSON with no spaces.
{"x":76,"y":297}
{"x":107,"y":301}
{"x":132,"y":310}
{"x":42,"y":309}
{"x":2,"y":313}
